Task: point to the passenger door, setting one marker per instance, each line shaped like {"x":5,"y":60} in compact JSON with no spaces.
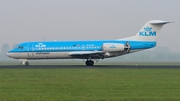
{"x":30,"y":50}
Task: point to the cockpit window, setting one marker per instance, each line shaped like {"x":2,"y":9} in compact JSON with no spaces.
{"x":20,"y":47}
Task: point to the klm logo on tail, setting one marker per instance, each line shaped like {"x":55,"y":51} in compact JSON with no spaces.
{"x":147,"y":32}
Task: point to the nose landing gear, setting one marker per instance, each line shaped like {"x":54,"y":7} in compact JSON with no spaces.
{"x":26,"y":63}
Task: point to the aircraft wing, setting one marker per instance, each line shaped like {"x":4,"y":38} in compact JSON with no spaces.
{"x":87,"y":54}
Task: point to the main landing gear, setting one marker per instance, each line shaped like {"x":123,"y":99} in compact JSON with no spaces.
{"x":89,"y":63}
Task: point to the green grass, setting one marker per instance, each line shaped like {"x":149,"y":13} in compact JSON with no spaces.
{"x":90,"y":84}
{"x":80,"y":62}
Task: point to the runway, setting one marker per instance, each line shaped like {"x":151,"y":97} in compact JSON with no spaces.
{"x":95,"y":66}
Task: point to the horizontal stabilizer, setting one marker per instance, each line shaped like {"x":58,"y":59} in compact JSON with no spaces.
{"x":157,"y":22}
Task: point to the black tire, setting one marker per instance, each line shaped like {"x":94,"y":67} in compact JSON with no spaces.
{"x":27,"y":64}
{"x":89,"y":63}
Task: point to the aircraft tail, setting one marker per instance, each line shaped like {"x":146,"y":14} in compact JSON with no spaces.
{"x":149,"y":31}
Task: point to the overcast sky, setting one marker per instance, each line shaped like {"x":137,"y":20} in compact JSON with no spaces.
{"x":34,"y":20}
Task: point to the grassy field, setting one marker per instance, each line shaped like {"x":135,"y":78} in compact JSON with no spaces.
{"x":90,"y":84}
{"x":80,"y":62}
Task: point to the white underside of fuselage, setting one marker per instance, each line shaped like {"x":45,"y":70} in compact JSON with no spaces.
{"x":61,"y":55}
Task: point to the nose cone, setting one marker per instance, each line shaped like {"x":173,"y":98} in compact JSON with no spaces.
{"x":9,"y":54}
{"x":14,"y":55}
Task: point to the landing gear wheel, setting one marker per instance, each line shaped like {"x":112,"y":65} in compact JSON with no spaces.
{"x":89,"y":63}
{"x":26,"y":63}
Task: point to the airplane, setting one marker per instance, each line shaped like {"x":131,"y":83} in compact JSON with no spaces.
{"x":90,"y":49}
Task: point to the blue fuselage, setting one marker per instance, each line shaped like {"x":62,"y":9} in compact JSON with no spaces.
{"x":94,"y":49}
{"x":69,"y":46}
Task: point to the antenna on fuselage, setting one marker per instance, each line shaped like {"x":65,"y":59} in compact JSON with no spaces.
{"x":44,"y":39}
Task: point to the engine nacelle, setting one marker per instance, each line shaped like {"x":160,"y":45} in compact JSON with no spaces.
{"x":111,"y":47}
